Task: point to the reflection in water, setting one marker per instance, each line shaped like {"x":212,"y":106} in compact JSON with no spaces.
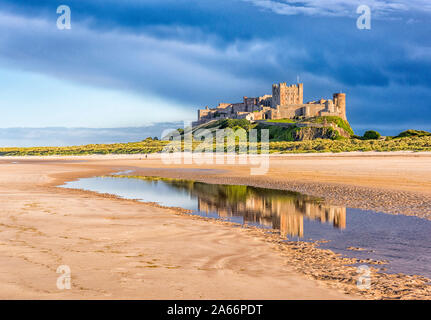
{"x":271,"y":208}
{"x":402,"y":240}
{"x":277,"y":209}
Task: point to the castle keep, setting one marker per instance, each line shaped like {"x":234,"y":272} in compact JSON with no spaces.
{"x":286,"y":102}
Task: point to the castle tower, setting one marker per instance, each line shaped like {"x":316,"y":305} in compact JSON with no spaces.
{"x":340,"y":104}
{"x":283,"y":95}
{"x":300,"y":93}
{"x":202,"y":113}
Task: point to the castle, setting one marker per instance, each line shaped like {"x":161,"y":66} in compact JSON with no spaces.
{"x":286,"y":102}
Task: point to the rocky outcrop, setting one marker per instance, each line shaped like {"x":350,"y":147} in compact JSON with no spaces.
{"x":311,"y":133}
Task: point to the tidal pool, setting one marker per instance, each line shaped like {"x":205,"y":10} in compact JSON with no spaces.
{"x":403,"y":241}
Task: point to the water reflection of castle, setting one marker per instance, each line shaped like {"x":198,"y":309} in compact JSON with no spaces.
{"x":276,"y":209}
{"x":287,"y":216}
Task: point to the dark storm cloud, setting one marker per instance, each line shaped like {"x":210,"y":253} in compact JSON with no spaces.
{"x":204,"y":52}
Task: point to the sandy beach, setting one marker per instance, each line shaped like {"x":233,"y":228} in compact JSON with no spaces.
{"x":124,"y":249}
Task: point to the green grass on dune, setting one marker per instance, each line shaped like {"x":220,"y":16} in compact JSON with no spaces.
{"x":413,"y":133}
{"x":349,"y":145}
{"x":282,"y":121}
{"x":411,"y":143}
{"x":148,"y":146}
{"x":277,"y":133}
{"x":281,"y":141}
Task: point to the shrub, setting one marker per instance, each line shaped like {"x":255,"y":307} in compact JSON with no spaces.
{"x":371,"y":135}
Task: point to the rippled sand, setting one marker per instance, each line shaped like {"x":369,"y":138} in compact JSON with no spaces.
{"x":126,"y":249}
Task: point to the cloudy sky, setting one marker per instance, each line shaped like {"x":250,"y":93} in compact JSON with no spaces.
{"x":132,"y":63}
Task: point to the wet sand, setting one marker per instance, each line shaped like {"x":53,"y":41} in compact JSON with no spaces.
{"x":126,"y":249}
